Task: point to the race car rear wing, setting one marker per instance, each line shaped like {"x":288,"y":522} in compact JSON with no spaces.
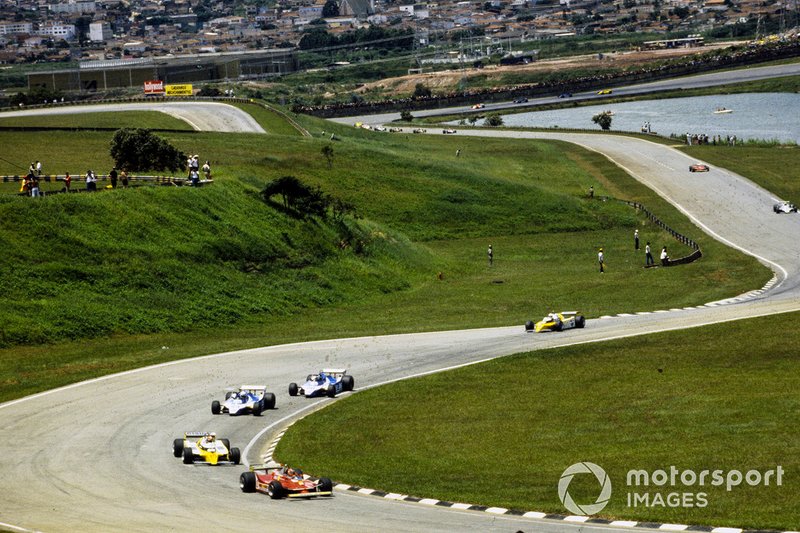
{"x":335,"y":371}
{"x":194,"y":434}
{"x":253,"y":387}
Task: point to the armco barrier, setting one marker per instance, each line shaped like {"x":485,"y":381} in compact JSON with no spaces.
{"x":78,"y":178}
{"x":683,"y":239}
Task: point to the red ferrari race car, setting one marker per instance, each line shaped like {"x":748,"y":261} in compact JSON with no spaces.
{"x":698,"y":168}
{"x":278,"y":481}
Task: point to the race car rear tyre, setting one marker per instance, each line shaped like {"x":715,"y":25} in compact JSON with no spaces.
{"x":227,"y":443}
{"x":348,"y":382}
{"x":236,"y":456}
{"x":269,"y":401}
{"x":331,"y":391}
{"x":529,"y":326}
{"x":215,"y":407}
{"x":188,"y":456}
{"x":177,"y":447}
{"x":292,"y":389}
{"x":247,"y":482}
{"x":257,"y":407}
{"x":325,"y":485}
{"x":275,"y":490}
{"x":580,"y":322}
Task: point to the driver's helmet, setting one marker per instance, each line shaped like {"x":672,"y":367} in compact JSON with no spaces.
{"x":290,"y":471}
{"x":211,"y":437}
{"x":321,"y":377}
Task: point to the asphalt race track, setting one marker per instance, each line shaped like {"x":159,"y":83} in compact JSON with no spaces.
{"x":96,"y":456}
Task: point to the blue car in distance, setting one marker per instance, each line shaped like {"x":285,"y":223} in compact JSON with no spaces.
{"x":328,"y":382}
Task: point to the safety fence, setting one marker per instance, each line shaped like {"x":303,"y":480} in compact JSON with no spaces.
{"x":81,"y":178}
{"x":694,"y":256}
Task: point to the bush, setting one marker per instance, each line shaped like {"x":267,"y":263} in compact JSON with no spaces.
{"x":136,"y":149}
{"x":494,"y":120}
{"x":603,"y":120}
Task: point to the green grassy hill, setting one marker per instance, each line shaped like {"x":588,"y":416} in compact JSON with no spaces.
{"x":215,"y":268}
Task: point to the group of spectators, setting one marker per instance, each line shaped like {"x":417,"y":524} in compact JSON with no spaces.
{"x":193,"y":164}
{"x":716,"y":140}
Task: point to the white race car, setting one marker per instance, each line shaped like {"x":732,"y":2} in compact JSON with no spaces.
{"x":328,"y":382}
{"x":246,"y":399}
{"x":785,"y":207}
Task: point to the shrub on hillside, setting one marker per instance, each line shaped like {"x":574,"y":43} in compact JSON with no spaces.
{"x":137,"y":149}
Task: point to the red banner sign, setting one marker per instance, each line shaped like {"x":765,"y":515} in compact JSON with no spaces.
{"x":154,"y":87}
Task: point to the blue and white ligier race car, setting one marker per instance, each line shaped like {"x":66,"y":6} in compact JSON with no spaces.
{"x":245,"y":400}
{"x":329,"y":382}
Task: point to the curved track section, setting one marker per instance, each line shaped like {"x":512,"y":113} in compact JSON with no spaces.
{"x":202,"y":116}
{"x":96,"y":456}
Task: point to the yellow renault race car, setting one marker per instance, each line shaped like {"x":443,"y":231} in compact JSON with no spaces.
{"x":205,"y":448}
{"x":557,"y":322}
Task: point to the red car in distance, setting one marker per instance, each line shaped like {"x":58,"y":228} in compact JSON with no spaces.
{"x":278,"y":481}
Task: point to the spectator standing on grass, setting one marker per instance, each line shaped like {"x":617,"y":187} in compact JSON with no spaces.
{"x":648,"y":257}
{"x":591,"y":191}
{"x":636,"y":239}
{"x":38,"y":168}
{"x":490,"y":253}
{"x":123,"y":176}
{"x":664,"y":257}
{"x":601,"y":258}
{"x":194,"y":178}
{"x":32,"y":168}
{"x":33,"y":185}
{"x":207,"y":170}
{"x":67,"y":182}
{"x":113,"y":176}
{"x":458,"y":152}
{"x":91,"y":181}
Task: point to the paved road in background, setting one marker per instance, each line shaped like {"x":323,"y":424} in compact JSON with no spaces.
{"x":96,"y":456}
{"x":689,"y":82}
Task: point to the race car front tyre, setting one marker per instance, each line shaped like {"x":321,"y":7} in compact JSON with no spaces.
{"x":188,"y":457}
{"x":275,"y":490}
{"x":215,"y":407}
{"x":292,"y":389}
{"x":177,"y":447}
{"x":269,"y":401}
{"x":227,"y":443}
{"x":331,"y":391}
{"x":580,"y":322}
{"x":247,"y":482}
{"x":325,"y":485}
{"x":529,"y":326}
{"x":348,"y":382}
{"x":236,"y":456}
{"x":228,"y":395}
{"x":258,"y":407}
{"x":558,"y":326}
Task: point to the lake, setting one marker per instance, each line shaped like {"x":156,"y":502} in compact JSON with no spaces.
{"x":754,"y":116}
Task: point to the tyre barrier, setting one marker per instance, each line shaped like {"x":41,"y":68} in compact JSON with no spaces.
{"x":683,"y":239}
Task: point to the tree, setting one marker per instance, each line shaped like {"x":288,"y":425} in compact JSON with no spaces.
{"x":494,"y":120}
{"x":139,"y":149}
{"x":327,"y":152}
{"x":603,"y":120}
{"x":330,"y":9}
{"x":297,"y":197}
{"x":406,"y":116}
{"x":420,"y":91}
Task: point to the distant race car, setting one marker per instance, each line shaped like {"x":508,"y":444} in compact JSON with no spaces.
{"x":205,"y":448}
{"x":419,"y":130}
{"x":245,"y":400}
{"x":557,"y":322}
{"x":785,"y":207}
{"x":478,"y":106}
{"x":521,"y":101}
{"x":697,"y":167}
{"x":329,"y":382}
{"x":278,"y":481}
{"x":565,"y":95}
{"x":604,"y":91}
{"x":448,"y":131}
